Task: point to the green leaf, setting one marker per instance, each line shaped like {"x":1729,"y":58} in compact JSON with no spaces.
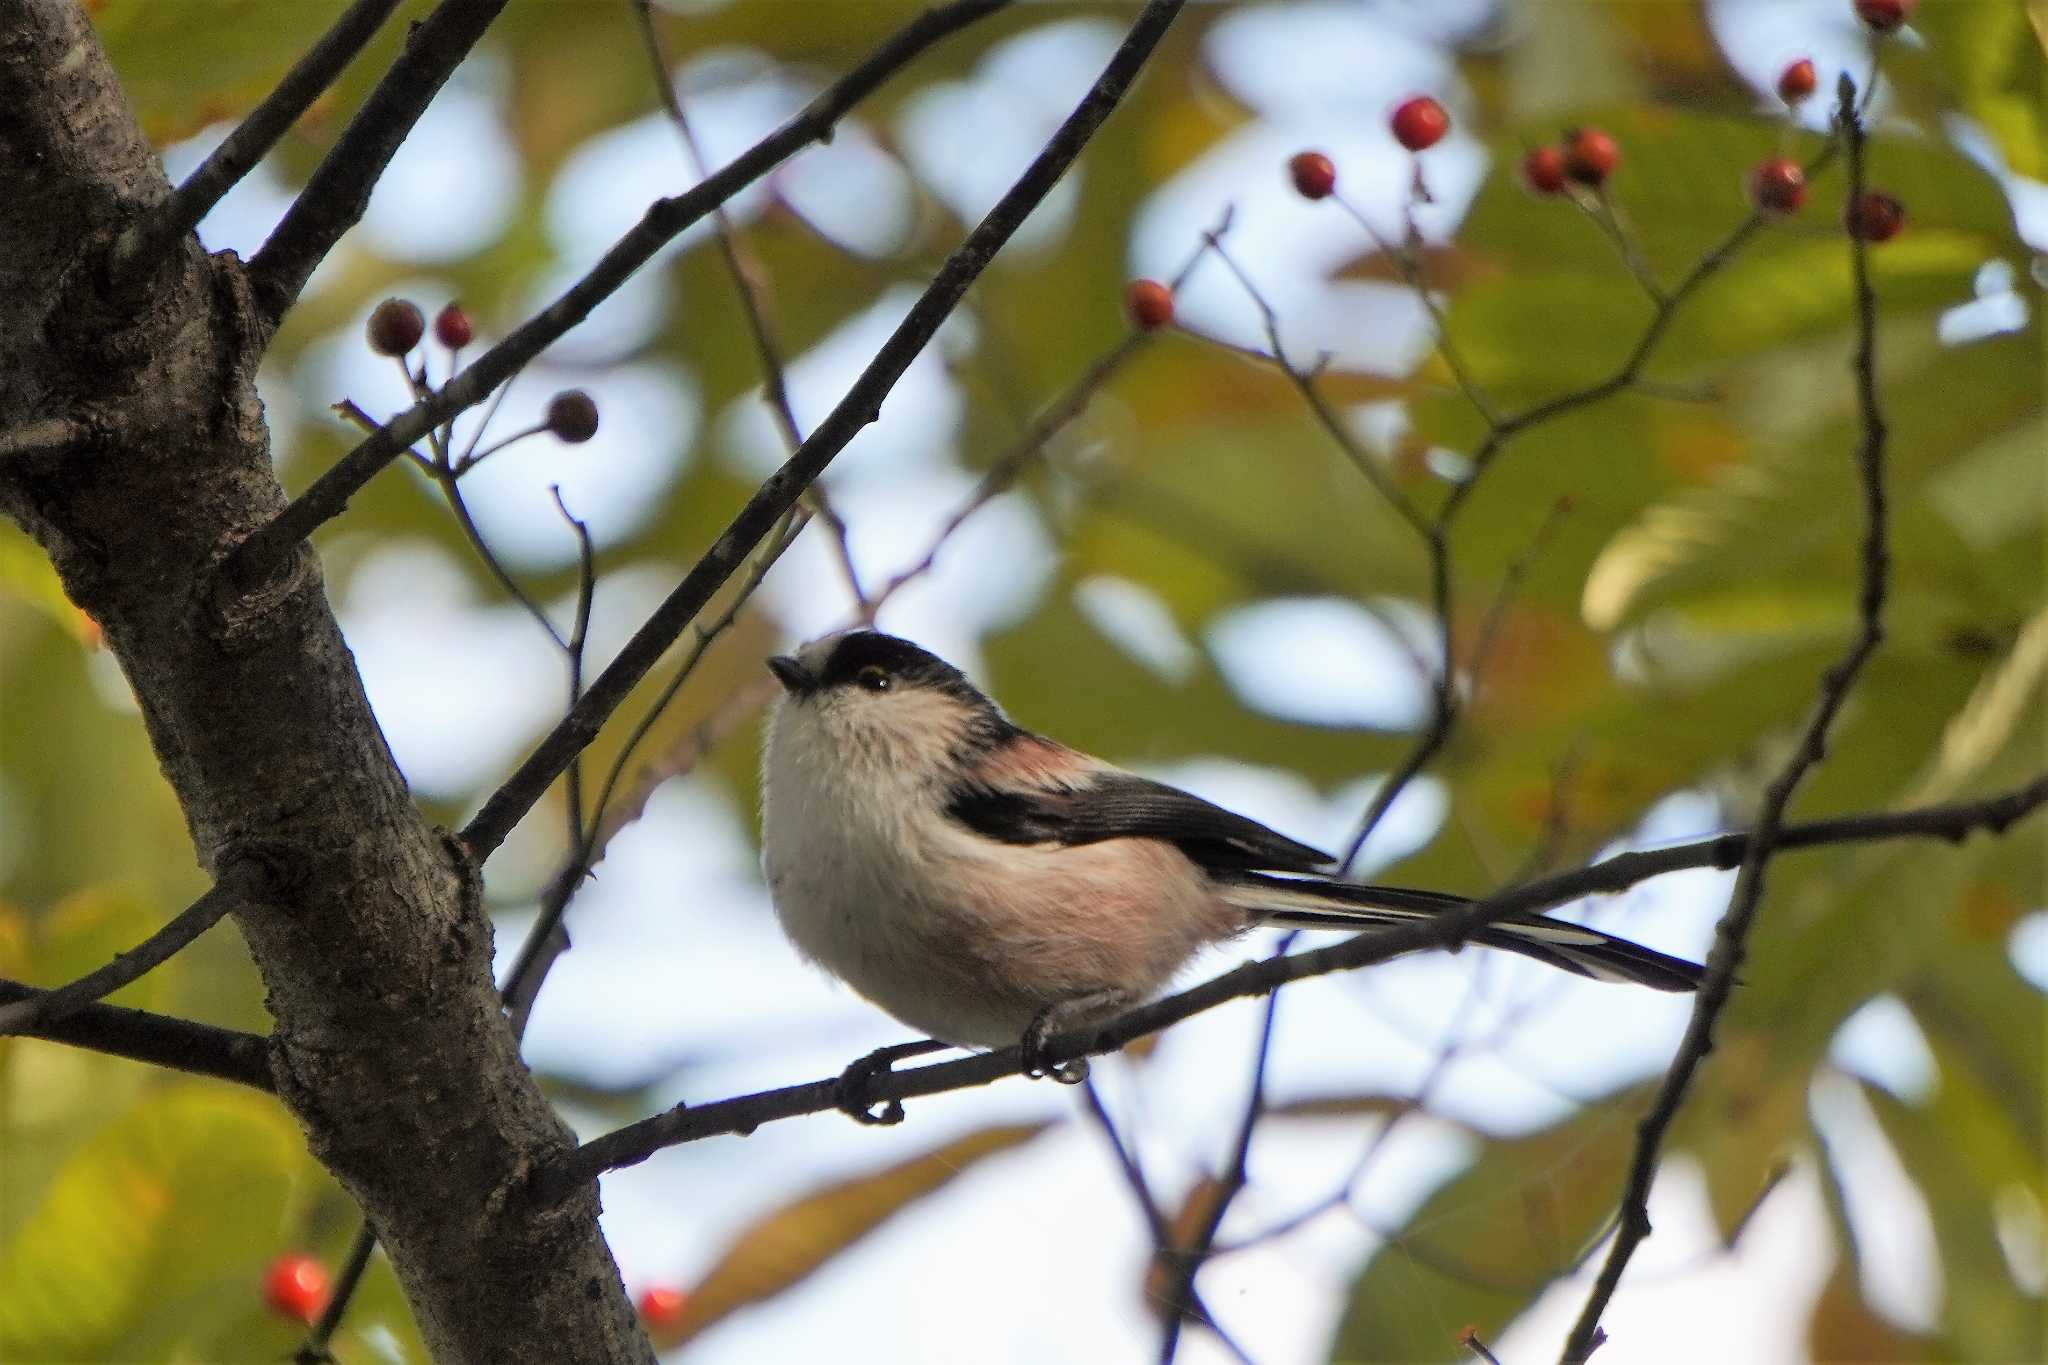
{"x":1485,"y":1245}
{"x":170,"y":1212}
{"x":185,"y":66}
{"x":1990,"y":54}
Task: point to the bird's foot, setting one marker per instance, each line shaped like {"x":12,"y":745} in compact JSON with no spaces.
{"x":1031,"y":1050}
{"x":851,"y":1092}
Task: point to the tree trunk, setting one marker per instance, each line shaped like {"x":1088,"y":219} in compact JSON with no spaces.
{"x":389,"y":1044}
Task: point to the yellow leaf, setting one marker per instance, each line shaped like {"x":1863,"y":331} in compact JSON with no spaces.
{"x":785,"y":1246}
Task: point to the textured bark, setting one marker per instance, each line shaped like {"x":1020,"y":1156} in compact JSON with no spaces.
{"x":389,"y":1044}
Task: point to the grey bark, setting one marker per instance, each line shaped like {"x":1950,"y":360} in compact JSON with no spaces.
{"x":389,"y":1044}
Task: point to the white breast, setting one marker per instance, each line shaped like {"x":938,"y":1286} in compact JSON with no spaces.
{"x":955,"y":935}
{"x":843,"y":861}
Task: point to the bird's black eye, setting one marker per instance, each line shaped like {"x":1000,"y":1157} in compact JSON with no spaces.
{"x":874,"y":678}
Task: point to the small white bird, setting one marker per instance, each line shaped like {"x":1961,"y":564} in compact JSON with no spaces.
{"x":988,"y":886}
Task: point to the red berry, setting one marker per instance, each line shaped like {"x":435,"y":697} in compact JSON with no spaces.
{"x":1419,"y":123}
{"x":452,"y":329}
{"x":395,"y":326}
{"x":1797,"y":81}
{"x":1543,"y":170}
{"x":295,"y":1286}
{"x":1876,"y":217}
{"x":1149,"y":303}
{"x":1315,"y":175}
{"x":1882,"y":16}
{"x":1590,"y":155}
{"x":661,"y":1307}
{"x":572,"y":416}
{"x":1778,"y":185}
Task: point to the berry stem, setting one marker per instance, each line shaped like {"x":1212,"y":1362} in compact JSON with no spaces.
{"x":1406,"y":261}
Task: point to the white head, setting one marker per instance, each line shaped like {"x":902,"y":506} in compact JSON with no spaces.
{"x":862,"y":698}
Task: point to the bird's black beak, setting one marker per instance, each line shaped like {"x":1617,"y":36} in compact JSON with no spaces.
{"x":793,"y":676}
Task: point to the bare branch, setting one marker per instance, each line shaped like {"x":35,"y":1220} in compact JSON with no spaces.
{"x":157,"y":1039}
{"x":750,"y":281}
{"x":271,"y":543}
{"x":334,"y":199}
{"x":1436,"y":534}
{"x":861,"y":405}
{"x":313,"y":1350}
{"x":636,"y":1142}
{"x":1054,"y":418}
{"x":48,"y":1007}
{"x":1732,"y":934}
{"x":1161,"y":1230}
{"x":1187,"y":1260}
{"x":144,"y":241}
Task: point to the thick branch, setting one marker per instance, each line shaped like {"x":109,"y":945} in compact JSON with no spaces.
{"x":636,"y":1142}
{"x":269,"y":546}
{"x":861,"y":405}
{"x":253,"y":138}
{"x":158,"y":1039}
{"x":375,"y":950}
{"x":334,"y":199}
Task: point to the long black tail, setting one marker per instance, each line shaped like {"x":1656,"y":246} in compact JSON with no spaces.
{"x":1315,"y":903}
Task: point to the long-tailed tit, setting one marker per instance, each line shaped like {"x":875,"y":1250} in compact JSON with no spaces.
{"x":986,"y":885}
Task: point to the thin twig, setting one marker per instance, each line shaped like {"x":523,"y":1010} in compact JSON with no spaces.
{"x":143,"y":241}
{"x":677,"y":759}
{"x":1435,"y":541}
{"x":269,"y":546}
{"x":313,"y":1350}
{"x":1469,"y":1339}
{"x":1766,"y":837}
{"x":750,"y":281}
{"x":1304,"y":381}
{"x":1436,"y":533}
{"x":1404,"y":261}
{"x":339,"y":190}
{"x":1155,"y":1220}
{"x":547,"y":940}
{"x":1051,"y":420}
{"x":444,"y":474}
{"x":636,"y":1142}
{"x":572,"y":648}
{"x":1127,"y":1164}
{"x":1188,"y":1260}
{"x":1511,"y":586}
{"x":158,"y":1039}
{"x":861,"y":405}
{"x":48,"y":1007}
{"x":1599,"y":206}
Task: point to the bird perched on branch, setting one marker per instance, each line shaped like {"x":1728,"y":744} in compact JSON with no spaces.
{"x":988,"y":886}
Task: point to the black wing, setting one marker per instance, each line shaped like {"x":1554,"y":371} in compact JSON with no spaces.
{"x":1118,"y":805}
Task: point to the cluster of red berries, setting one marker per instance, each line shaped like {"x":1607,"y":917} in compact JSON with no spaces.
{"x":1587,"y":155}
{"x":397,"y":325}
{"x":1778,"y":185}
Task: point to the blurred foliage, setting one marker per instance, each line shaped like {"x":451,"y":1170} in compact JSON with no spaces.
{"x":787,"y":1244}
{"x":1667,"y":637}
